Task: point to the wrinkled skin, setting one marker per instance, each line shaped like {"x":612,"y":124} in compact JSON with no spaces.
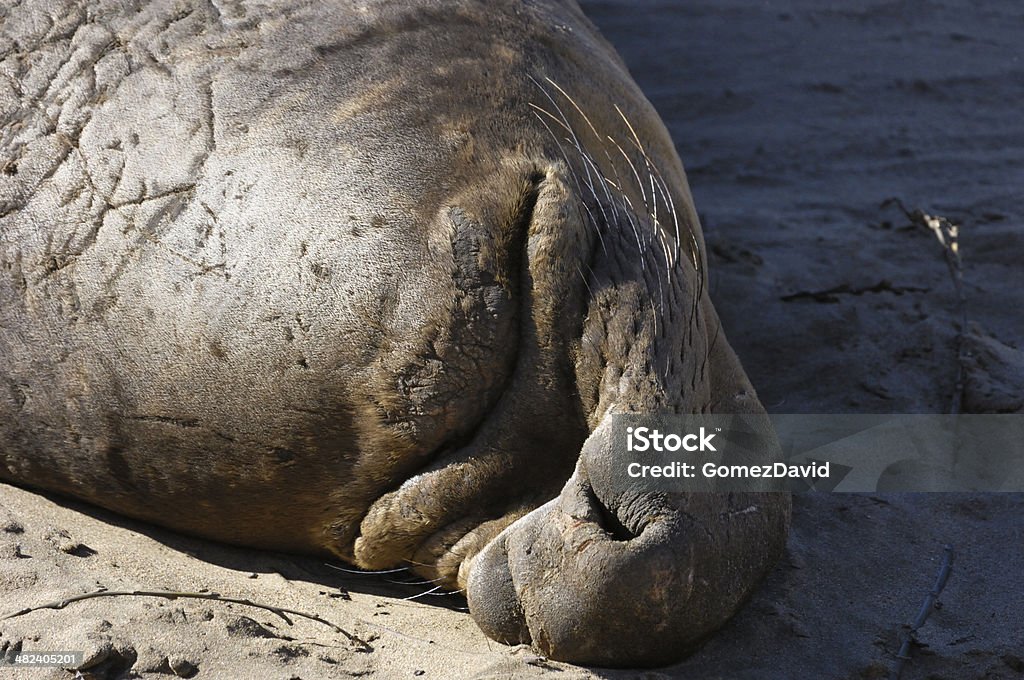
{"x":369,"y":279}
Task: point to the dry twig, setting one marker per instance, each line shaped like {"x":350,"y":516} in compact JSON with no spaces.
{"x":909,"y":633}
{"x":948,"y":235}
{"x":173,"y":595}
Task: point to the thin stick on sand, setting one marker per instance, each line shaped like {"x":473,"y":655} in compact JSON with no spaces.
{"x":927,"y":606}
{"x":173,"y":595}
{"x":948,"y":235}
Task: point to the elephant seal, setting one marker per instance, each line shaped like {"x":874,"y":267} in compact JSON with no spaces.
{"x":368,"y":279}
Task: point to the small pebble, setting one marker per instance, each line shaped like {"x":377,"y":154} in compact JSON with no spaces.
{"x":182,"y":667}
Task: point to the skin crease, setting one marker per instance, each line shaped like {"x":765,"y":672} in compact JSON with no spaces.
{"x":313,"y":279}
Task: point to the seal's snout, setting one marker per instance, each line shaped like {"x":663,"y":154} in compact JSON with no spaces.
{"x":608,"y":573}
{"x":620,"y":577}
{"x":582,"y":589}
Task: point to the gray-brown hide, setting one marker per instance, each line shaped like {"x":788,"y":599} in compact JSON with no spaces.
{"x":361,"y":278}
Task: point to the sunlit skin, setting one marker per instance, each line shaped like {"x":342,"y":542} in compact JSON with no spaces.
{"x":372,"y":284}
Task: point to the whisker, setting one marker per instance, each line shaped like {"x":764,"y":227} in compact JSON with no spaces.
{"x":611,"y":201}
{"x":654,"y":316}
{"x":420,"y":564}
{"x":697,"y":264}
{"x":593,"y":192}
{"x":575,"y":142}
{"x":636,"y":232}
{"x":654,"y":168}
{"x":637,"y":139}
{"x":583,"y":276}
{"x":657,"y":204}
{"x":636,"y":174}
{"x":366,"y":572}
{"x":555,"y":119}
{"x":593,"y":130}
{"x":579,"y":189}
{"x":573,"y":102}
{"x":537,"y":111}
{"x":627,"y":208}
{"x":447,"y":593}
{"x":415,"y":583}
{"x":428,"y":592}
{"x":572,"y":132}
{"x":660,"y":235}
{"x":666,"y":195}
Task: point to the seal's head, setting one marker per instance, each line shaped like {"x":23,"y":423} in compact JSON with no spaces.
{"x":603,"y":267}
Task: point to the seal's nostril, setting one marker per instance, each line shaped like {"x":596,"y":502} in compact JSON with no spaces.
{"x":607,"y":519}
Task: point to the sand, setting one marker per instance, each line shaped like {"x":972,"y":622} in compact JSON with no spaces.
{"x":796,"y":121}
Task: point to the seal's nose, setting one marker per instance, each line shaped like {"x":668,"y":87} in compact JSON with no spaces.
{"x":628,"y":578}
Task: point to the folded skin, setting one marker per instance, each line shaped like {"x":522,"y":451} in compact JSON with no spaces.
{"x":371,"y":280}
